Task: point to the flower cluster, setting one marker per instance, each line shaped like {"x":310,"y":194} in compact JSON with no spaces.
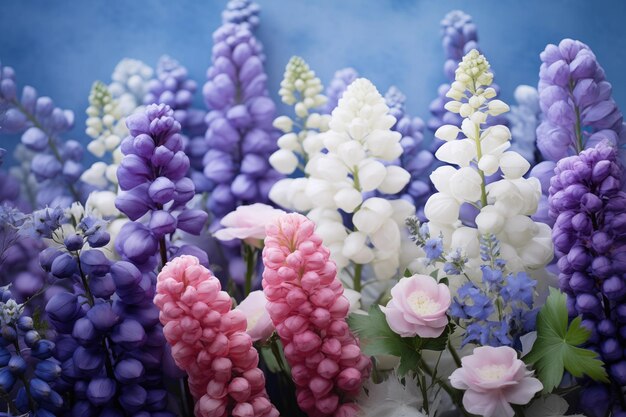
{"x":37,"y":373}
{"x":416,"y":160}
{"x":459,"y":37}
{"x":105,"y":126}
{"x":152,"y":178}
{"x":579,"y":112}
{"x":109,"y":343}
{"x":588,"y":208}
{"x":359,"y":140}
{"x":240,"y":133}
{"x":307,"y":306}
{"x":242,"y":12}
{"x":504,"y":205}
{"x":300,"y":140}
{"x":209,"y":342}
{"x":341,"y":80}
{"x":56,"y":164}
{"x":130,"y":83}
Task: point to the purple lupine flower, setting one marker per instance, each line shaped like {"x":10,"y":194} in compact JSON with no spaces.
{"x":57,"y":164}
{"x":242,"y":12}
{"x":459,"y":36}
{"x":240,"y":135}
{"x":415,"y":159}
{"x":110,"y":343}
{"x":152,"y":177}
{"x":341,"y":80}
{"x":589,"y":237}
{"x":578,"y":110}
{"x":575,"y":98}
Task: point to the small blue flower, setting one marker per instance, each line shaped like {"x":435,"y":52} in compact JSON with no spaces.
{"x":491,"y":277}
{"x":433,"y":248}
{"x":519,"y":287}
{"x":42,"y":223}
{"x":474,"y":303}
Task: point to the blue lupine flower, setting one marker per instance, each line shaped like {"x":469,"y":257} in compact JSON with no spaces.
{"x":491,"y":276}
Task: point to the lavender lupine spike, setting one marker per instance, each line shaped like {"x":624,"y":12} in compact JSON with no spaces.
{"x":109,"y":340}
{"x":578,"y":110}
{"x":56,"y":164}
{"x":244,"y":12}
{"x":575,"y":98}
{"x":341,"y":80}
{"x":589,"y":237}
{"x":459,"y":36}
{"x":416,"y":160}
{"x":240,"y":133}
{"x":152,"y":179}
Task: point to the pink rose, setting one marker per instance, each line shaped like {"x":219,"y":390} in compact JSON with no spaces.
{"x":418,"y":307}
{"x":260,"y":325}
{"x":248,"y":223}
{"x":493,"y":378}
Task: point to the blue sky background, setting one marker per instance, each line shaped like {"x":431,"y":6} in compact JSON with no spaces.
{"x":62,"y":46}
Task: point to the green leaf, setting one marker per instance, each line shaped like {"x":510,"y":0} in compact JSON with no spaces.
{"x":434,"y":274}
{"x":555,"y":349}
{"x":407,"y":273}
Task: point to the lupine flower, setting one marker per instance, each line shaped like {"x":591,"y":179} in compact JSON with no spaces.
{"x":418,"y":307}
{"x":504,"y":204}
{"x":357,"y":146}
{"x":300,"y":140}
{"x":130,"y":81}
{"x":260,"y":326}
{"x":493,"y":378}
{"x":587,"y":204}
{"x":56,"y":164}
{"x":575,"y":99}
{"x":109,"y":343}
{"x":242,"y":12}
{"x":308,"y":309}
{"x":340,"y":82}
{"x":415,"y":159}
{"x":240,"y":133}
{"x":210,"y":342}
{"x":152,"y":176}
{"x":459,"y":36}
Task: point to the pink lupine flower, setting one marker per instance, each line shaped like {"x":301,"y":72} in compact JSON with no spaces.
{"x":418,"y":307}
{"x":248,"y":223}
{"x":260,"y":326}
{"x":494,"y":378}
{"x":307,"y":306}
{"x":209,"y":341}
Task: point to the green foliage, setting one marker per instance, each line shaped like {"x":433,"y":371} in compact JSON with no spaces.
{"x":555,"y":349}
{"x":377,"y":338}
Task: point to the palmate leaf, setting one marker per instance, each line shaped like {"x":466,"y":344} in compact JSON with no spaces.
{"x":377,"y":338}
{"x":555,"y":349}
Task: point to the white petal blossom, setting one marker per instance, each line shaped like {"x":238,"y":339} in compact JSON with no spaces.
{"x":505,"y":204}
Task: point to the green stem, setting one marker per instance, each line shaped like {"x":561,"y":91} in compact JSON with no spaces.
{"x":454,"y":353}
{"x":250,"y":258}
{"x":479,"y":154}
{"x":577,"y":131}
{"x":358,"y":270}
{"x":453,"y":393}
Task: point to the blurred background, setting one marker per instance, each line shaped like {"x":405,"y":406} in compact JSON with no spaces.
{"x":61,"y":47}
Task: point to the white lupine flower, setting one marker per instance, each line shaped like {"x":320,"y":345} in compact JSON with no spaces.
{"x":357,"y":143}
{"x":301,"y":89}
{"x":130,"y":83}
{"x":506,"y":204}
